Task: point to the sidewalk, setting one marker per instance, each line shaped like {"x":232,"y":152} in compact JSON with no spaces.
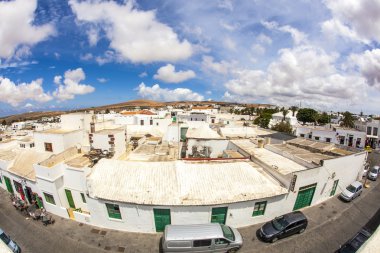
{"x":341,"y":220}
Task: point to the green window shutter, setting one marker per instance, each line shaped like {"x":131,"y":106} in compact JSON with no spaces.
{"x":259,"y":208}
{"x":83,"y":198}
{"x":113,"y":211}
{"x":49,"y":198}
{"x":335,"y":185}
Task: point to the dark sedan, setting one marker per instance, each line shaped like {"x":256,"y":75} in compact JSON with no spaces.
{"x":283,"y":226}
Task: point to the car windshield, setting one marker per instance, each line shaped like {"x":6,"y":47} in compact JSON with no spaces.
{"x":374,"y":170}
{"x":5,"y":238}
{"x":280,"y":223}
{"x":227,"y":232}
{"x":351,"y":188}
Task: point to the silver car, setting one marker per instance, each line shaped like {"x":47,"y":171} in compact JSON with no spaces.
{"x":212,"y":237}
{"x":7,"y":241}
{"x":373,"y":173}
{"x":352,"y":191}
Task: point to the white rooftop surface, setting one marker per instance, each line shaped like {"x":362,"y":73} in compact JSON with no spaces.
{"x":23,"y":163}
{"x":281,"y":163}
{"x":180,"y":183}
{"x":238,"y":132}
{"x":202,"y":132}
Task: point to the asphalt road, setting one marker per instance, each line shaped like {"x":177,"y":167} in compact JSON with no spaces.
{"x":331,"y":224}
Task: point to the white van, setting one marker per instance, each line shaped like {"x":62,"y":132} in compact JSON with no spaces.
{"x":211,"y":237}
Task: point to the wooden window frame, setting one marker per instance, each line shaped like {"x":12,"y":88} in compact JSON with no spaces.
{"x":49,"y":198}
{"x":259,"y":208}
{"x":113,"y":211}
{"x":48,"y":146}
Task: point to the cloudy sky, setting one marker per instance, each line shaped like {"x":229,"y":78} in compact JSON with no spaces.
{"x":68,"y":54}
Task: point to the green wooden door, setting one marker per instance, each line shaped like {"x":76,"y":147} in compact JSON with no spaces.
{"x":335,"y":185}
{"x":8,"y":184}
{"x":219,"y":215}
{"x":305,"y":196}
{"x":70,"y":198}
{"x":161,"y":218}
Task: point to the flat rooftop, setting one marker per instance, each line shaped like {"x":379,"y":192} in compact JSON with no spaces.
{"x":57,"y":131}
{"x":319,"y":147}
{"x":180,"y":182}
{"x":7,"y":155}
{"x":202,"y":132}
{"x":109,"y":131}
{"x":280,"y":163}
{"x":70,"y":156}
{"x":148,"y":152}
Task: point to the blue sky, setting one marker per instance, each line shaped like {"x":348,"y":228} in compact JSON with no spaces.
{"x":59,"y":54}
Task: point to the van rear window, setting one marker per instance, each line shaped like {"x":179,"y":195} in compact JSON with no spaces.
{"x":179,"y":244}
{"x":202,"y":243}
{"x":227,"y":232}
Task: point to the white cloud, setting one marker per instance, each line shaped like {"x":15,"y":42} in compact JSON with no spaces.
{"x":28,"y":105}
{"x":71,"y":85}
{"x":169,"y":75}
{"x":297,"y":36}
{"x":229,"y":44}
{"x":135,"y":34}
{"x":143,"y":74}
{"x":354,"y":19}
{"x":102,"y":80}
{"x":16,"y":64}
{"x":262,"y":38}
{"x":222,"y":67}
{"x":19,"y":15}
{"x":86,"y":57}
{"x":369,"y":65}
{"x":228,"y":26}
{"x":226,"y":4}
{"x":303,"y":73}
{"x":108,"y":56}
{"x":162,"y":94}
{"x":93,"y":36}
{"x":15,"y":94}
{"x":258,"y":49}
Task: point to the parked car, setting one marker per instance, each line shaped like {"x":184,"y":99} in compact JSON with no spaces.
{"x":373,"y":173}
{"x":11,"y":244}
{"x":212,"y":237}
{"x":283,"y":226}
{"x":354,"y":243}
{"x":352,"y":191}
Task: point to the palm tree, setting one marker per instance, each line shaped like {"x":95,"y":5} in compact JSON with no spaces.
{"x":284,"y":113}
{"x":293,"y":109}
{"x":348,"y":120}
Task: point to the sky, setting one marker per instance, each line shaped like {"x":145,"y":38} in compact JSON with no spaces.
{"x":58,"y":54}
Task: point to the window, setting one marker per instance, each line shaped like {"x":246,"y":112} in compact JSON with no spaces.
{"x":220,"y":241}
{"x":22,"y":145}
{"x":1,"y":180}
{"x":48,"y":147}
{"x":302,"y":135}
{"x":259,"y":208}
{"x":142,"y":122}
{"x":202,"y":243}
{"x":83,"y":198}
{"x":328,"y":139}
{"x":151,"y":122}
{"x":316,"y":138}
{"x":369,"y":130}
{"x":310,"y":136}
{"x":113,"y":211}
{"x":179,"y":244}
{"x":375,"y":131}
{"x":31,"y":145}
{"x":49,"y":198}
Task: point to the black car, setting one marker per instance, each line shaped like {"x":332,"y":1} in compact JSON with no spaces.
{"x":283,"y":226}
{"x":354,"y":244}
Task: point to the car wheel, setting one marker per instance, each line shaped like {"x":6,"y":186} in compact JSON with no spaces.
{"x":234,"y":250}
{"x":274,"y":239}
{"x":301,"y":231}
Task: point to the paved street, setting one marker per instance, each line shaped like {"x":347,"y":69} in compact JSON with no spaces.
{"x":330,"y":224}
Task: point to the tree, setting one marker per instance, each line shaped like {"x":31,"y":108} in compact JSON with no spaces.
{"x":263,"y":120}
{"x":323,"y":118}
{"x":4,"y":122}
{"x":107,"y":111}
{"x":348,"y":120}
{"x":283,"y":127}
{"x":293,"y":109}
{"x":284,"y":113}
{"x":307,"y":115}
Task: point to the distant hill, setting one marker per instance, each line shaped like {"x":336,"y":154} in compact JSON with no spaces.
{"x":29,"y":116}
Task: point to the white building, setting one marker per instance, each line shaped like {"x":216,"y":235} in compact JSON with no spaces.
{"x":279,"y":117}
{"x":338,"y":135}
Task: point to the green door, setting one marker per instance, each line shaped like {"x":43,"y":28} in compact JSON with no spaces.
{"x":161,"y":218}
{"x":219,"y":215}
{"x":333,"y":190}
{"x":70,"y":198}
{"x":305,"y":196}
{"x":8,"y":184}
